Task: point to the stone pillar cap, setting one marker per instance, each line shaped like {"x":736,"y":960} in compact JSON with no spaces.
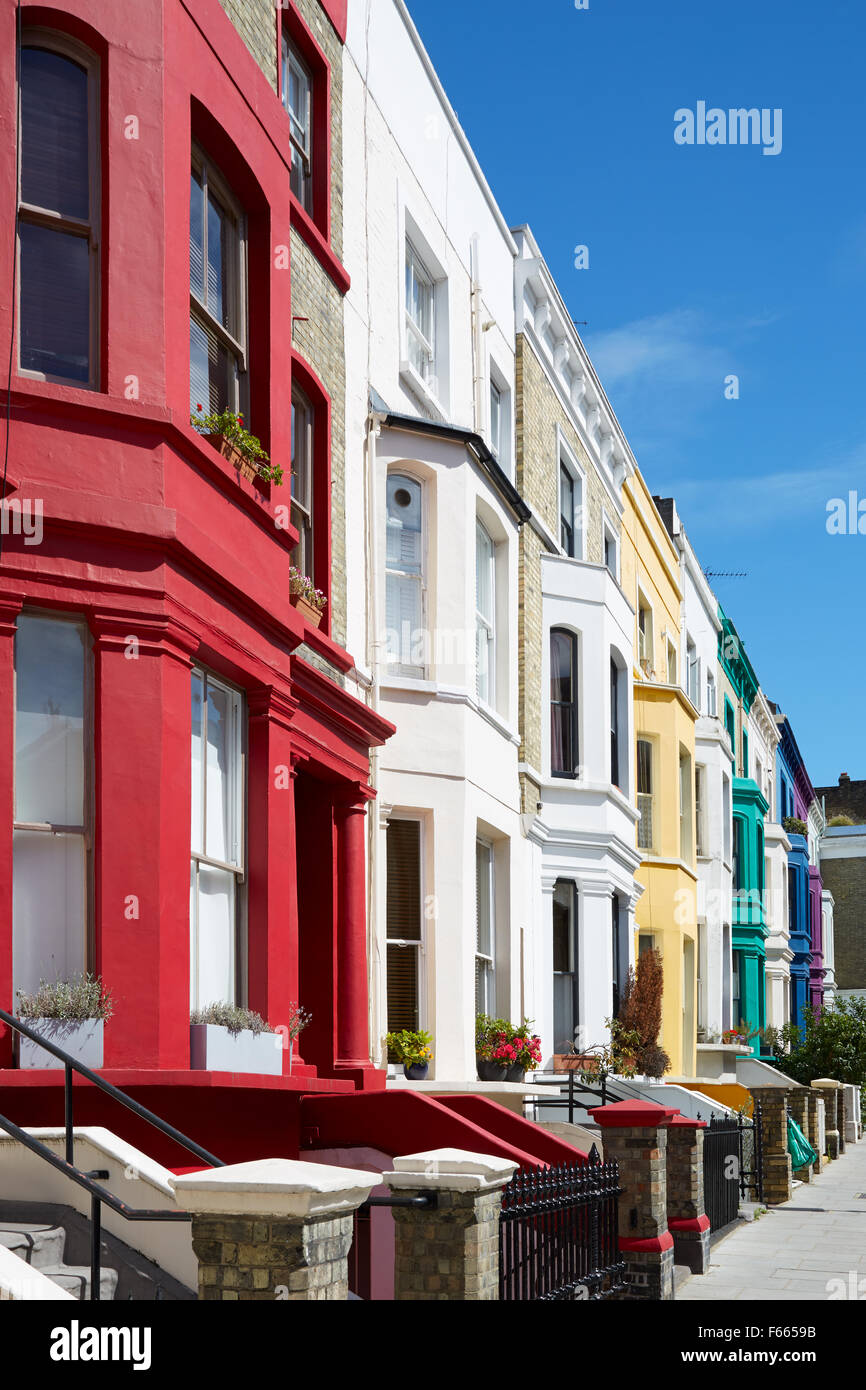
{"x":827,"y":1083}
{"x":275,"y":1187}
{"x":453,"y":1170}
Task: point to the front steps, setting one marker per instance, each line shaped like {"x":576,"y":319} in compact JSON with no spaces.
{"x":56,"y":1241}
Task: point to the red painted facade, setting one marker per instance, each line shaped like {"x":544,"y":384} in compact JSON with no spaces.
{"x":149,"y":533}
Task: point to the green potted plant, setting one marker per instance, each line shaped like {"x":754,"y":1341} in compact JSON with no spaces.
{"x":224,"y":1037}
{"x":226,"y":431}
{"x":308,"y":600}
{"x":792,"y":825}
{"x":414,"y":1049}
{"x":69,"y":1013}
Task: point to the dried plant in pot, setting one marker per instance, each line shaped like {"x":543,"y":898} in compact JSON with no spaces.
{"x":69,"y":1013}
{"x":225,"y":1037}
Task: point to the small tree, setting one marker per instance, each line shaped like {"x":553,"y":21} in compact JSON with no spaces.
{"x":832,"y":1043}
{"x":640,"y":1012}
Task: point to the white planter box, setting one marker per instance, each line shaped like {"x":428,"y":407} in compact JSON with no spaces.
{"x":214,"y":1048}
{"x":83,"y":1040}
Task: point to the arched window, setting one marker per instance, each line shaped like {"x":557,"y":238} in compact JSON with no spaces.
{"x":404,"y":575}
{"x":58,"y":210}
{"x":564,"y":752}
{"x":485,"y":615}
{"x":217,"y":292}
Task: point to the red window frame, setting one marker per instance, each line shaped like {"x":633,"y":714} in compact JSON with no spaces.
{"x":305,"y":378}
{"x":295,"y":30}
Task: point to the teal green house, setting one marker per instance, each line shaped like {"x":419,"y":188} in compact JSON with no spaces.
{"x":749,"y":928}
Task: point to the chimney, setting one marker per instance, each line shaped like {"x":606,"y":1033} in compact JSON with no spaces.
{"x":844,"y":780}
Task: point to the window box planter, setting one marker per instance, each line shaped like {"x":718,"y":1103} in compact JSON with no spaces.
{"x":574,"y":1061}
{"x":82,"y":1039}
{"x":233,"y":455}
{"x":214,"y":1048}
{"x":308,"y":611}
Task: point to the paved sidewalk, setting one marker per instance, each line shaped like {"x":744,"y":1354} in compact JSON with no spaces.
{"x":795,"y":1251}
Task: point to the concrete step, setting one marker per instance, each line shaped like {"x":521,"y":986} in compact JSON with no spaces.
{"x":37,"y":1245}
{"x":76,"y":1280}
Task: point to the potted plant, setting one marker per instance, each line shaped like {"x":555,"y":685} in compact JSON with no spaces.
{"x":792,"y":825}
{"x":298,"y":1020}
{"x":226,"y":431}
{"x":494,"y":1053}
{"x":413,"y":1049}
{"x":527,"y":1051}
{"x":308,"y":600}
{"x":69,"y":1013}
{"x":224,"y":1037}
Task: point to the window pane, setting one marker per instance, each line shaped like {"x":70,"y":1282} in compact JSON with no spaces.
{"x":402,"y":969}
{"x":54,"y":136}
{"x":214,"y":969}
{"x":219,"y":779}
{"x":483,"y":573}
{"x":55,"y":302}
{"x":196,"y":236}
{"x":561,"y":667}
{"x":49,"y":723}
{"x":404,"y":524}
{"x":212,"y":371}
{"x":484,"y":899}
{"x":404,"y":880}
{"x":48,"y":908}
{"x":197,"y":763}
{"x":221,"y":261}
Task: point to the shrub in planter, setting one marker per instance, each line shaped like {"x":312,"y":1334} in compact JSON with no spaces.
{"x":413,"y":1049}
{"x":224,"y":1037}
{"x":69,"y":1013}
{"x":503,"y":1052}
{"x":795,"y":826}
{"x":309,"y":600}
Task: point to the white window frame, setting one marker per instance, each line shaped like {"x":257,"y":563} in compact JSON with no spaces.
{"x":401,"y":668}
{"x":645,"y":640}
{"x":302,"y":501}
{"x":487,"y":962}
{"x":687,"y":791}
{"x":569,"y":463}
{"x":236,"y":346}
{"x":485,"y":623}
{"x":712,"y":696}
{"x":403,"y":943}
{"x":700,"y":810}
{"x":291,"y":59}
{"x":693,"y":672}
{"x":672,"y":658}
{"x":610,"y":537}
{"x":33,"y":215}
{"x":235,"y":865}
{"x":646,"y":800}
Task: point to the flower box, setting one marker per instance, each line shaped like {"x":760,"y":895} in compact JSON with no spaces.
{"x":574,"y":1061}
{"x":82,"y":1039}
{"x":308,"y":611}
{"x":233,"y":455}
{"x":214,"y":1048}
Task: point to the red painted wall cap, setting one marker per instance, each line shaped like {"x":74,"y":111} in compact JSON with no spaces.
{"x":624,"y":1114}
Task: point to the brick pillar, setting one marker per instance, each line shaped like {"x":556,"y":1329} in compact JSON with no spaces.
{"x":774,"y":1137}
{"x":798,"y":1105}
{"x":635,"y":1135}
{"x":449,"y":1252}
{"x":688,"y":1222}
{"x":273,"y":1230}
{"x":830,"y":1092}
{"x":813,"y":1132}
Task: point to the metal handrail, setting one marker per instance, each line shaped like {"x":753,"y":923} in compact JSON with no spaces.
{"x":98,"y":1193}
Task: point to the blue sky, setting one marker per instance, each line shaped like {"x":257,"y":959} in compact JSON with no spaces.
{"x":707,"y":261}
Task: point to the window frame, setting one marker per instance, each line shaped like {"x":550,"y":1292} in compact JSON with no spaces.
{"x":238,"y":348}
{"x":291,"y":55}
{"x":573,"y":908}
{"x":700,"y":811}
{"x":198,"y":858}
{"x":686,"y":793}
{"x":304,"y":553}
{"x":486,"y":623}
{"x":645,"y":842}
{"x":415,"y":263}
{"x":573,"y":705}
{"x":570,"y":468}
{"x":399,"y":668}
{"x":646,"y":637}
{"x":408,"y":943}
{"x":616,"y":675}
{"x":488,"y":961}
{"x":65,"y":46}
{"x":86,"y":830}
{"x":712,"y":696}
{"x":693,"y":672}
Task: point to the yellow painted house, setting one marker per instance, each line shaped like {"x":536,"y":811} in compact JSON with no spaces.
{"x":666,"y":916}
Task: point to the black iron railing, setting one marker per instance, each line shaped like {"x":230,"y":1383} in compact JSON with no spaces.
{"x":733,"y":1166}
{"x":89,"y":1181}
{"x":558,"y":1234}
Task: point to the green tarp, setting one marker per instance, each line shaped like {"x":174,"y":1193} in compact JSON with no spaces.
{"x":801,"y":1151}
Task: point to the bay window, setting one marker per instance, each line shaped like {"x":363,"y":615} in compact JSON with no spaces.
{"x":485,"y":615}
{"x":564,"y":753}
{"x":58,"y":210}
{"x":217,"y":851}
{"x":404,"y":574}
{"x":51,"y":833}
{"x":217,"y":293}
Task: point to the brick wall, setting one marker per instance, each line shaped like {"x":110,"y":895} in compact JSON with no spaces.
{"x":256,"y":22}
{"x":846,"y":880}
{"x":246,"y":1260}
{"x":848,"y":799}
